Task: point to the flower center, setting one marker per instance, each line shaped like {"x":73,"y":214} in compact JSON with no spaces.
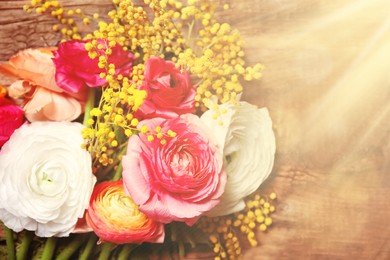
{"x":181,"y":164}
{"x":48,"y":178}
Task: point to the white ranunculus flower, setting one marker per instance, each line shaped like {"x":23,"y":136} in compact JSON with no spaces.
{"x":245,"y":135}
{"x":46,"y":178}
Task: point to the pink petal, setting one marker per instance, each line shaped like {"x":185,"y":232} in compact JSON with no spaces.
{"x":135,"y":182}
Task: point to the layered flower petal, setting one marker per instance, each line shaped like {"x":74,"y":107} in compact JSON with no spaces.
{"x":46,"y":105}
{"x":248,"y":144}
{"x":179,"y":180}
{"x":41,"y":98}
{"x":51,"y":188}
{"x":11,"y":118}
{"x":115,"y":218}
{"x":34,"y":65}
{"x":169,"y":91}
{"x":76,"y":70}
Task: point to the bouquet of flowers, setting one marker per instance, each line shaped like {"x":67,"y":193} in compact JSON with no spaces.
{"x":132,"y":134}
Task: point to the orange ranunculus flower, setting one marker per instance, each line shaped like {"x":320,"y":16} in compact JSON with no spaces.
{"x":43,"y":100}
{"x":114,"y":217}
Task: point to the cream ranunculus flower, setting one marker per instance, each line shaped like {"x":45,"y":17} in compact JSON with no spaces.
{"x":46,"y":178}
{"x":245,"y":135}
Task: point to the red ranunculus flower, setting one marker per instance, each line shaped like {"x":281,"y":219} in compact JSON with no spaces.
{"x":179,"y":180}
{"x":11,"y":118}
{"x":169,"y":91}
{"x":114,"y":217}
{"x":75,"y":69}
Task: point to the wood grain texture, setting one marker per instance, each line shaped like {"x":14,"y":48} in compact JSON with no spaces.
{"x":326,"y":84}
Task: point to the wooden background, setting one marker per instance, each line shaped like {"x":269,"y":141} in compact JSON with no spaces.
{"x":327,"y":86}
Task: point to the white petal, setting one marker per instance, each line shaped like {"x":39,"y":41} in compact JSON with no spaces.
{"x":45,"y":178}
{"x":249,"y":151}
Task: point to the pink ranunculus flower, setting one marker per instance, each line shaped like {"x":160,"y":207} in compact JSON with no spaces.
{"x":11,"y":118}
{"x":179,"y":180}
{"x":169,"y":91}
{"x":35,"y":87}
{"x":114,"y":217}
{"x":76,"y":70}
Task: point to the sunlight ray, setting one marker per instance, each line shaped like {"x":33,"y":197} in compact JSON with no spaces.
{"x":360,"y":82}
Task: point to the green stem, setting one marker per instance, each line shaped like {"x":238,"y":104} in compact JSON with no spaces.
{"x":88,"y":248}
{"x":118,"y":173}
{"x":88,"y":107}
{"x":126,"y":250}
{"x":69,"y":250}
{"x":176,"y":237}
{"x":173,"y":232}
{"x":190,"y":239}
{"x":182,"y":250}
{"x":9,"y":236}
{"x":106,"y":250}
{"x":22,"y":252}
{"x":49,"y":248}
